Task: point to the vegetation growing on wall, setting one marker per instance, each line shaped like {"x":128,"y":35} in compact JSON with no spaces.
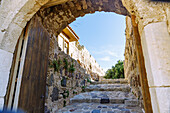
{"x":71,"y":69}
{"x":65,"y":64}
{"x":56,"y":64}
{"x":116,"y":71}
{"x":88,"y":80}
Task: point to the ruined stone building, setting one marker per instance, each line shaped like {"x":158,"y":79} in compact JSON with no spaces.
{"x":32,"y":65}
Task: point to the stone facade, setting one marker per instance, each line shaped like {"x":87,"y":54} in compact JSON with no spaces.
{"x":62,"y":83}
{"x":130,"y":63}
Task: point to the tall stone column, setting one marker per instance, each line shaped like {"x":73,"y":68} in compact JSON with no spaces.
{"x":5,"y":65}
{"x":155,"y":40}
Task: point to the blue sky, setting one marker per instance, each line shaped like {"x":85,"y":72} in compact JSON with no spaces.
{"x":103,"y":34}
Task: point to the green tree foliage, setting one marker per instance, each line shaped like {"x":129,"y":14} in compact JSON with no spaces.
{"x":116,"y":71}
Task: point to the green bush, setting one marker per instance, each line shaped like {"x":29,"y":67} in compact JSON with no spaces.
{"x":83,"y":88}
{"x":71,"y":69}
{"x":56,"y":65}
{"x":116,"y":71}
{"x":89,"y":80}
{"x":65,"y":64}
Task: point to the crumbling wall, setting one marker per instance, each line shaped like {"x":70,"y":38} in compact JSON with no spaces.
{"x":62,"y":84}
{"x":131,"y":64}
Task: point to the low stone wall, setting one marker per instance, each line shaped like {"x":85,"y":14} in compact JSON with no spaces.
{"x":62,"y":83}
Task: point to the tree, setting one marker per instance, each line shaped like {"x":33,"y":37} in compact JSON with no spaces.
{"x":116,"y":71}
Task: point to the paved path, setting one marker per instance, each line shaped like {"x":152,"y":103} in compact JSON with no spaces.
{"x":104,"y":98}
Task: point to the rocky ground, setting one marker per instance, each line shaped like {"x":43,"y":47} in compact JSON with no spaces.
{"x":104,"y":98}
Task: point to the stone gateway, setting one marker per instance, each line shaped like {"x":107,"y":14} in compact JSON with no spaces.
{"x":147,"y":51}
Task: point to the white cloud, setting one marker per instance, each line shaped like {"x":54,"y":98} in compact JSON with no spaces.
{"x":106,"y":52}
{"x":106,"y":58}
{"x":112,"y":53}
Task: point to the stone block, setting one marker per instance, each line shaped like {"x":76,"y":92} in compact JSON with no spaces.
{"x":77,"y":100}
{"x":160,"y":98}
{"x":117,"y":101}
{"x":104,"y":100}
{"x":1,"y":103}
{"x":50,"y":80}
{"x":25,"y":14}
{"x":155,"y":41}
{"x":96,"y":100}
{"x":131,"y":103}
{"x":11,"y":37}
{"x":5,"y":66}
{"x":64,"y":82}
{"x":77,"y":84}
{"x":55,"y":94}
{"x":96,"y":111}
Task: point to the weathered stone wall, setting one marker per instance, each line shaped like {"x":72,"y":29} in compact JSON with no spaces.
{"x":15,"y":14}
{"x":63,"y":84}
{"x":147,"y":12}
{"x":56,"y":18}
{"x":131,"y":63}
{"x":85,"y":59}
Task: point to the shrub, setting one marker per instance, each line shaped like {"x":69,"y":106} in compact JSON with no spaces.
{"x":71,"y":69}
{"x":65,"y":64}
{"x":56,"y":65}
{"x":116,"y":71}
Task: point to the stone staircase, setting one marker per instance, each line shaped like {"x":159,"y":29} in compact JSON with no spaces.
{"x":104,"y":98}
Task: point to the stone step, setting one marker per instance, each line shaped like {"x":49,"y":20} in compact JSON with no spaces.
{"x":99,"y":108}
{"x":114,"y":97}
{"x":108,"y":87}
{"x":129,"y":103}
{"x":111,"y":81}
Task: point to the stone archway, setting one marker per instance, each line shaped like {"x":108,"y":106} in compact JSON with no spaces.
{"x":15,"y":20}
{"x":29,"y":9}
{"x":56,"y":18}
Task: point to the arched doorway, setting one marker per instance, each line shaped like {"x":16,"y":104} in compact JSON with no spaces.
{"x":80,"y":10}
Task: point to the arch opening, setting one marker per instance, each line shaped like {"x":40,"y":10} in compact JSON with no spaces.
{"x":56,"y":18}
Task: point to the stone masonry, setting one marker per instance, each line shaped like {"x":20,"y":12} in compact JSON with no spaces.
{"x":152,"y":19}
{"x":58,"y":17}
{"x":104,"y":98}
{"x":62,"y":84}
{"x":130,"y":63}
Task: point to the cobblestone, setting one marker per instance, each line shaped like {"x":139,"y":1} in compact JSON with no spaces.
{"x":104,"y":98}
{"x":99,"y":108}
{"x":98,"y":96}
